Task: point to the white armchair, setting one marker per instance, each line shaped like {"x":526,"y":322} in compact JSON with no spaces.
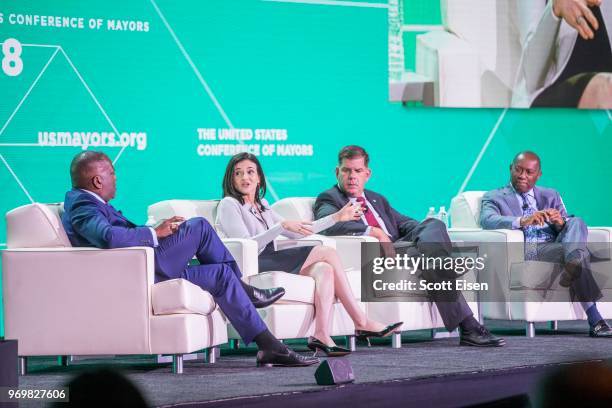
{"x":61,"y":300}
{"x":293,"y":315}
{"x":512,"y":279}
{"x":416,"y":315}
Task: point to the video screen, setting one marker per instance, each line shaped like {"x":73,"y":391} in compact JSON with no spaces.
{"x":501,"y":53}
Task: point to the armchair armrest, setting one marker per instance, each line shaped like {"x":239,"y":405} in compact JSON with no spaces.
{"x":245,"y":253}
{"x":78,"y":300}
{"x":349,"y":249}
{"x":599,"y":242}
{"x":502,"y":248}
{"x":482,"y":235}
{"x":310,"y":240}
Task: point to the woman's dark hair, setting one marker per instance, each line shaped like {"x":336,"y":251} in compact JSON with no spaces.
{"x":228,"y":183}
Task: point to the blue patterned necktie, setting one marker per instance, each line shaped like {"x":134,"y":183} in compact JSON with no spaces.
{"x":530,"y":232}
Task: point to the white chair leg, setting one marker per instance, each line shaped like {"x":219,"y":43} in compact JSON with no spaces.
{"x":211,"y":355}
{"x":23,"y":365}
{"x":554,"y":325}
{"x":396,"y":340}
{"x":530,"y":330}
{"x":177,"y":364}
{"x":351,"y":344}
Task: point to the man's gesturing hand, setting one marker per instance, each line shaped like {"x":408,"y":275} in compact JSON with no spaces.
{"x":168,"y":227}
{"x":578,"y":15}
{"x":537,"y":218}
{"x":350,"y":212}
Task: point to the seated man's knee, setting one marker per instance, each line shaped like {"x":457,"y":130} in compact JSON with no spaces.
{"x":199,"y":222}
{"x":598,"y":93}
{"x":435,"y":224}
{"x":576,"y":222}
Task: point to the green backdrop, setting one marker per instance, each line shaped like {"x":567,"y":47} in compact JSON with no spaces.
{"x":316,"y":71}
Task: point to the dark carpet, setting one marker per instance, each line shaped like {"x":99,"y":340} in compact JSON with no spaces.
{"x":420,"y":361}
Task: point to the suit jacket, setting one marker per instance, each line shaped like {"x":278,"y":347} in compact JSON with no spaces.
{"x":90,"y":222}
{"x":237,"y":220}
{"x":330,"y":201}
{"x":547,"y":50}
{"x":500,"y":207}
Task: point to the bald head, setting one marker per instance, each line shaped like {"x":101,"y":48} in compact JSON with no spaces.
{"x":93,"y":171}
{"x":525,"y":171}
{"x":526,"y":154}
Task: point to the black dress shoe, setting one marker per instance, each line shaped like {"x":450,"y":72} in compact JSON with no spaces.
{"x":601,"y":329}
{"x":288,"y":358}
{"x":330,"y":351}
{"x":480,"y":337}
{"x":263,"y":297}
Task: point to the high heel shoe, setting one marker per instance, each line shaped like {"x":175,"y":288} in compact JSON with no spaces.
{"x":330,"y":351}
{"x":366,"y":334}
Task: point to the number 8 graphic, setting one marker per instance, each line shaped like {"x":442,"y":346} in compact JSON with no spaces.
{"x":12,"y":65}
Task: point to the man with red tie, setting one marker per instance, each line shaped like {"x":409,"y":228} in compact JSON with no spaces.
{"x":384,"y":223}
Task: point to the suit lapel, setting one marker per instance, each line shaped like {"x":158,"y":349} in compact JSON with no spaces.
{"x":343,"y":197}
{"x":376,"y":204}
{"x":382,"y":212}
{"x":119,"y":215}
{"x":510,"y":198}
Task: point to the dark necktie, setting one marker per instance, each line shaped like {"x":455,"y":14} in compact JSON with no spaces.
{"x":530,"y":232}
{"x":370,"y":218}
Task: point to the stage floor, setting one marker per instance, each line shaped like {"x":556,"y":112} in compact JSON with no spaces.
{"x":235,"y":375}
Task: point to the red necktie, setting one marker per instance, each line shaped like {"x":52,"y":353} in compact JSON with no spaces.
{"x":371,"y":220}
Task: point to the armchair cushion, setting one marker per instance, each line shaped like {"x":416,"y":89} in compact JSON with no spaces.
{"x":465,"y":209}
{"x":298,"y":288}
{"x":295,"y":208}
{"x":181,"y":296}
{"x":36,"y":226}
{"x":185,"y":208}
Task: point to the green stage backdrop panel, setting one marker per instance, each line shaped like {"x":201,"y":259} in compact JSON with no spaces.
{"x":173,"y":77}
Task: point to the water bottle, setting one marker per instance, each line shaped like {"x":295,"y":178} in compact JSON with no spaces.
{"x":431,"y":213}
{"x":396,"y":42}
{"x":443,"y":216}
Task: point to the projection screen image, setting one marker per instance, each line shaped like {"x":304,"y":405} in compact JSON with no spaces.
{"x":501,"y":53}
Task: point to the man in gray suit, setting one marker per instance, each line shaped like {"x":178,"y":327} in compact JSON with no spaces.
{"x":550,"y":234}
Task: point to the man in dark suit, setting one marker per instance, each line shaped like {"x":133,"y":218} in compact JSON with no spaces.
{"x":550,"y":234}
{"x":89,"y":220}
{"x":383,"y":222}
